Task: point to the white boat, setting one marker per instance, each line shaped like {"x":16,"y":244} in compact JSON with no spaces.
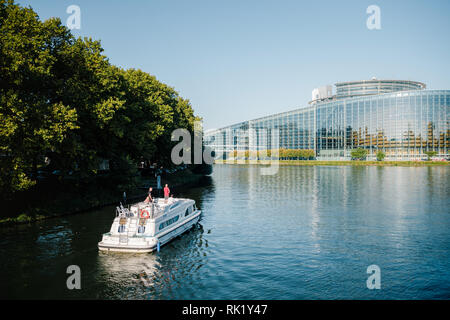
{"x":144,"y":227}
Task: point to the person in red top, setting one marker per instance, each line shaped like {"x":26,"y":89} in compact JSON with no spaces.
{"x":166,"y":193}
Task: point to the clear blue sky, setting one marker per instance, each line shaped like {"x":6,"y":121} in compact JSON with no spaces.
{"x":239,"y":59}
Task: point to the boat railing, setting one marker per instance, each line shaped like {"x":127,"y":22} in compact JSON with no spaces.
{"x":121,"y":211}
{"x":153,"y":209}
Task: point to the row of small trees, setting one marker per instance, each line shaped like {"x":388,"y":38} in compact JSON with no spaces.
{"x":361,"y":154}
{"x":301,"y":154}
{"x":281,"y":153}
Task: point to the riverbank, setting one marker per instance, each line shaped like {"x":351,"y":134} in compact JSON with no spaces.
{"x":68,"y":200}
{"x":340,"y":163}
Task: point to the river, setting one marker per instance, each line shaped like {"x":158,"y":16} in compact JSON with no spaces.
{"x":308,"y":232}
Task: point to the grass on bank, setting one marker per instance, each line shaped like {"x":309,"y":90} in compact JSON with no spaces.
{"x":341,"y":163}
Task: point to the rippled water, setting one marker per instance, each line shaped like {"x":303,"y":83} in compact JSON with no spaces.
{"x":305,"y":233}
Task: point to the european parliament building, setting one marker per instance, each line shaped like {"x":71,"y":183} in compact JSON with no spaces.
{"x":399,"y":117}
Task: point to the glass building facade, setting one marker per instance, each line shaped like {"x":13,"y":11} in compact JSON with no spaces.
{"x":400,"y":118}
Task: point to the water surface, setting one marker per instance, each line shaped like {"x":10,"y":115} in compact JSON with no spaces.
{"x":305,"y":233}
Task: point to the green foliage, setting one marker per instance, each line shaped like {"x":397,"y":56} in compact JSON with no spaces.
{"x":296,"y":154}
{"x":359,"y":154}
{"x":291,"y":154}
{"x":23,"y":218}
{"x":380,"y":155}
{"x":430,"y":154}
{"x":60,"y":98}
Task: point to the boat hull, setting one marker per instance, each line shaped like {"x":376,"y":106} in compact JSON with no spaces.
{"x":151,"y":244}
{"x":124,"y":248}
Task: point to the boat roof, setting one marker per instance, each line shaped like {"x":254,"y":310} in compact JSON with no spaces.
{"x":163,"y":205}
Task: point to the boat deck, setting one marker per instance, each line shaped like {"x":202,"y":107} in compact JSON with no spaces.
{"x":158,"y":207}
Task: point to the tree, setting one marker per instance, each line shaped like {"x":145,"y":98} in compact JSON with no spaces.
{"x":61,"y":99}
{"x":32,"y":121}
{"x":380,"y":155}
{"x":430,"y":154}
{"x":359,"y":154}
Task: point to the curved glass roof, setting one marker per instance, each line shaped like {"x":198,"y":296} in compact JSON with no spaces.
{"x":374,"y":86}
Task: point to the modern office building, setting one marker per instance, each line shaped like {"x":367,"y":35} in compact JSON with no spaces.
{"x":398,"y":117}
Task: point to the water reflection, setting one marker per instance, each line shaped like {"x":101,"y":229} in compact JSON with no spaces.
{"x":154,"y":275}
{"x":305,"y":233}
{"x":128,"y":270}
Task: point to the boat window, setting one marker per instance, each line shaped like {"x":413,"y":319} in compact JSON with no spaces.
{"x":188,"y":211}
{"x":174,"y":205}
{"x":141,"y":229}
{"x":168,"y":222}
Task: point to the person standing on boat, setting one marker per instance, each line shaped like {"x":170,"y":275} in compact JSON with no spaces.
{"x":166,"y":193}
{"x":149,"y":198}
{"x":150,"y":194}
